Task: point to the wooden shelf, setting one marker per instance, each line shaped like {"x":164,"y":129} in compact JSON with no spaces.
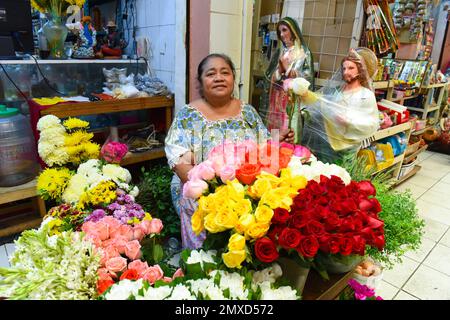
{"x":429,"y":109}
{"x":392,"y":130}
{"x":23,"y":191}
{"x":408,"y":175}
{"x":317,"y":288}
{"x":415,"y":133}
{"x":405,"y":98}
{"x":415,"y":154}
{"x":73,"y":61}
{"x":132,"y":158}
{"x":19,"y":224}
{"x":397,"y":160}
{"x":437,"y":85}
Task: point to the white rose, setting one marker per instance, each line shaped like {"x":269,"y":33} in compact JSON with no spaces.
{"x":124,"y":289}
{"x":300,"y":86}
{"x":180,"y":292}
{"x":159,"y":293}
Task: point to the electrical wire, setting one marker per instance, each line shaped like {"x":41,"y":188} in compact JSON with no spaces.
{"x":14,"y":84}
{"x":45,"y":78}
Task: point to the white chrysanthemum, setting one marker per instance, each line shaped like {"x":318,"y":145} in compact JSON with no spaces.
{"x":234,"y":282}
{"x":77,"y":186}
{"x":134,"y":192}
{"x":270,"y":274}
{"x":180,"y":292}
{"x":159,"y":293}
{"x":86,"y":168}
{"x":200,"y":256}
{"x":116,"y":173}
{"x":48,"y":121}
{"x":54,"y":135}
{"x":58,"y":156}
{"x":124,"y":290}
{"x":45,"y":149}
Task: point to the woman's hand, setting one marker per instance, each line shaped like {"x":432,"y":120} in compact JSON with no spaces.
{"x":287,"y":135}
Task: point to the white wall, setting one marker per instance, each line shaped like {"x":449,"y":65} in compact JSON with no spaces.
{"x":156,"y":20}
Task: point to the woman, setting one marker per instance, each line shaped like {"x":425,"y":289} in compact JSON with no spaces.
{"x":291,"y":60}
{"x":205,"y":123}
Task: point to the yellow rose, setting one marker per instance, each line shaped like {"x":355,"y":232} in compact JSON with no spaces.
{"x":236,"y":242}
{"x":270,"y":199}
{"x":245,"y":221}
{"x":294,"y":182}
{"x":257,"y":230}
{"x":233,"y":259}
{"x":263,"y":214}
{"x":236,"y":190}
{"x":274,"y":180}
{"x":242,"y":207}
{"x":260,"y":187}
{"x":197,"y":222}
{"x":203,"y":204}
{"x":210,"y":224}
{"x":226,"y":219}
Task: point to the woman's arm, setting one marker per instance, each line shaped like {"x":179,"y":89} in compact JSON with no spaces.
{"x":185,"y":164}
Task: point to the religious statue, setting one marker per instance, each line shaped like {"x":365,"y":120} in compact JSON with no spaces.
{"x":84,"y":48}
{"x":113,"y":44}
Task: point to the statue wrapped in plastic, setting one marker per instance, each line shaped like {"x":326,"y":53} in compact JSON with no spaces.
{"x":345,"y":113}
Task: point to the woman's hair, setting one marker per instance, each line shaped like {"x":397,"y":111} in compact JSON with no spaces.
{"x":283,"y":23}
{"x":201,"y":66}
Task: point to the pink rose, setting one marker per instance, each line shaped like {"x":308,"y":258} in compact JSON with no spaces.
{"x":102,"y":229}
{"x":94,"y":239}
{"x":156,"y":226}
{"x":113,"y":151}
{"x":139,"y":266}
{"x":302,"y":152}
{"x":119,"y":243}
{"x":116,"y":264}
{"x":287,"y":145}
{"x":138,"y":233}
{"x":145,"y":226}
{"x":227,"y":173}
{"x":103,"y":274}
{"x":133,"y":250}
{"x":178,"y":273}
{"x":88,"y":227}
{"x":126,"y":231}
{"x":202,"y":171}
{"x":108,"y":253}
{"x":113,"y":224}
{"x":167,"y":279}
{"x":153,"y":274}
{"x":194,"y":189}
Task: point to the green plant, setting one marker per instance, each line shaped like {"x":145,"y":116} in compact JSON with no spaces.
{"x":403,"y":227}
{"x":155,"y":197}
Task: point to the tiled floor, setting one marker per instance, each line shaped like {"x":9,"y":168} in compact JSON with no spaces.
{"x":425,"y":273}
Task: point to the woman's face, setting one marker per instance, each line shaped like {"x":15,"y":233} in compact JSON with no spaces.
{"x":349,"y":71}
{"x":217,"y":78}
{"x":285,"y":34}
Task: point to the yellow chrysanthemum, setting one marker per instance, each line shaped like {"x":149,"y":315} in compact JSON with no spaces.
{"x":75,"y":123}
{"x":78,"y":137}
{"x":51,"y":183}
{"x":54,"y":226}
{"x":104,"y":193}
{"x":91,"y":150}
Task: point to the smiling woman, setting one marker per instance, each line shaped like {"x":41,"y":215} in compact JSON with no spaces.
{"x":205,"y":123}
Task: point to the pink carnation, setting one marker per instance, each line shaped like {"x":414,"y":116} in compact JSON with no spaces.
{"x":113,"y":151}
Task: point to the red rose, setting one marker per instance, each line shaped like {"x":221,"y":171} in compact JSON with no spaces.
{"x":368,"y":235}
{"x":332,"y":222}
{"x":289,"y":238}
{"x":335,"y":206}
{"x":103,"y":285}
{"x":367,"y":188}
{"x":274,"y":232}
{"x":348,"y":206}
{"x":315,"y":188}
{"x":308,"y":246}
{"x":337,"y":180}
{"x":379,"y":242}
{"x":265,"y":250}
{"x":299,"y":220}
{"x":374,"y":223}
{"x":334,"y":244}
{"x":376,"y":206}
{"x":315,"y":228}
{"x":321,"y":213}
{"x":280,"y":216}
{"x":324,"y":243}
{"x":358,"y":221}
{"x":365,"y":205}
{"x":247,"y":173}
{"x":130,"y":274}
{"x":347,"y":224}
{"x":346,"y":246}
{"x":359,"y":245}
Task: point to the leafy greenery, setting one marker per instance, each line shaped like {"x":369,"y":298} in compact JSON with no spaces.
{"x":403,"y":227}
{"x":155,"y":197}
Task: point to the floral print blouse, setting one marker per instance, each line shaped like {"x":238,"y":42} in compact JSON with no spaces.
{"x":191,"y":131}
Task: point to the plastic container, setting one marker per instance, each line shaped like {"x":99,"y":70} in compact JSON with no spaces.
{"x":406,"y":168}
{"x":18,"y":158}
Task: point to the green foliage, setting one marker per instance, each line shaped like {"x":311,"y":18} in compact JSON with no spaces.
{"x":403,"y":227}
{"x":155,"y":197}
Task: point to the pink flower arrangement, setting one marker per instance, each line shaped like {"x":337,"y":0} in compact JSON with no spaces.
{"x":113,"y":152}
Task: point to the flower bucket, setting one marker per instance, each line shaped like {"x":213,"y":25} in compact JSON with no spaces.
{"x":294,"y":273}
{"x":340,"y":264}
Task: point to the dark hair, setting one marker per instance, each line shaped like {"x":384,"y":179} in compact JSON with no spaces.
{"x":284,"y":23}
{"x":201,"y":66}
